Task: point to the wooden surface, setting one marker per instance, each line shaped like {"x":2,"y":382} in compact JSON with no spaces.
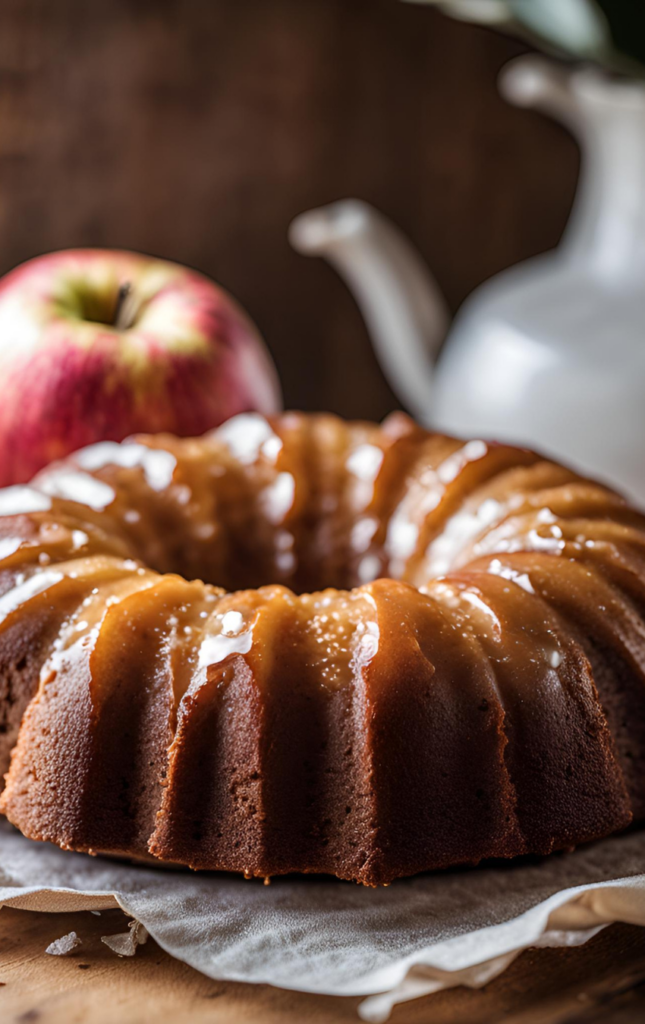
{"x":197,"y":129}
{"x":603,"y":981}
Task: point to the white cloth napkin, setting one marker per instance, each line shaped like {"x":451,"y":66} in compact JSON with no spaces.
{"x":312,"y":934}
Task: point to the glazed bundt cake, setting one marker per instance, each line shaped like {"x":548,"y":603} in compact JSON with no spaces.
{"x":407,"y":651}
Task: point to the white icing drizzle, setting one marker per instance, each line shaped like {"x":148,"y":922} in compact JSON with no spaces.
{"x":158,"y":465}
{"x":521,"y":578}
{"x":451,"y":467}
{"x":368,"y":641}
{"x":20,"y":500}
{"x":9,"y":545}
{"x":461,"y":528}
{"x":402,"y":536}
{"x":362,"y":533}
{"x":424,"y":495}
{"x":247,"y":435}
{"x":365,"y":462}
{"x":26,"y":589}
{"x":234,"y":636}
{"x":215,"y":649}
{"x":232,"y":623}
{"x":277,"y":499}
{"x":74,"y":485}
{"x":369,"y":568}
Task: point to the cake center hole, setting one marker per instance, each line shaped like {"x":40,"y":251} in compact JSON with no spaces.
{"x":304,"y":570}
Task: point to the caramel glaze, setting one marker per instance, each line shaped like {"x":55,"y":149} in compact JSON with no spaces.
{"x":446,"y":665}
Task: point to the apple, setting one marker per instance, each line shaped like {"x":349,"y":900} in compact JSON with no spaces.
{"x":96,"y":345}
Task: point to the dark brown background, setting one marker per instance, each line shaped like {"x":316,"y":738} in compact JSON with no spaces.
{"x":196,"y":130}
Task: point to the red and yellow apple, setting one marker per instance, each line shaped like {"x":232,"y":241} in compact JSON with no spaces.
{"x":96,"y":345}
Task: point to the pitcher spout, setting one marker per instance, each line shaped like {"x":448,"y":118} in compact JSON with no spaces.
{"x":404,"y":310}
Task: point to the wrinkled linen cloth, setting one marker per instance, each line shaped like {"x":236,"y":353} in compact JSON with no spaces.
{"x":417,"y":936}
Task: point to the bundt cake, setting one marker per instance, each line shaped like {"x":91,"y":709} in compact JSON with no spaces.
{"x":407,"y":651}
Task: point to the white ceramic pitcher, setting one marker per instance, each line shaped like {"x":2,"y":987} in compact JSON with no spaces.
{"x":550,"y":353}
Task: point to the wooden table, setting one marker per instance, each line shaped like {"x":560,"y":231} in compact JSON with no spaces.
{"x":603,"y":981}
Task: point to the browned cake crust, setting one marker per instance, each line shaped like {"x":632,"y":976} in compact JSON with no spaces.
{"x":409,"y":651}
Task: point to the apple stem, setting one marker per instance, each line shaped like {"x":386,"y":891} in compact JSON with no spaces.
{"x":124,"y":310}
